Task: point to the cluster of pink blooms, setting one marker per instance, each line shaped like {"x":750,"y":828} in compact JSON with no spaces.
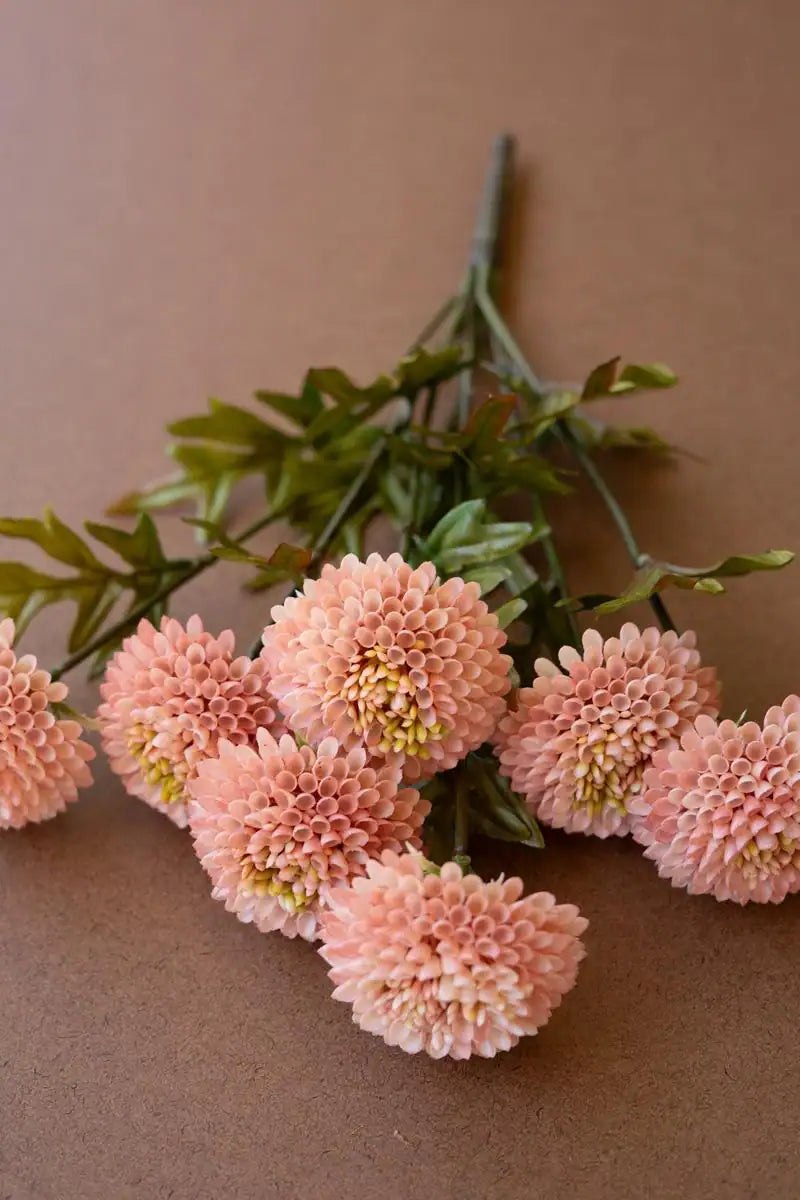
{"x":295,"y":772}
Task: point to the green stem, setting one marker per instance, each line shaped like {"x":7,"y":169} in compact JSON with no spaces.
{"x":196,"y":567}
{"x":461,"y":825}
{"x":416,"y":479}
{"x":615,"y":510}
{"x":501,"y":333}
{"x":555,"y":566}
{"x":323,"y":540}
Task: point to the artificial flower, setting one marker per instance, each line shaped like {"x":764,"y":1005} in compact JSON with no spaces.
{"x":43,"y":760}
{"x":280,"y":828}
{"x":443,"y":962}
{"x":381,"y":654}
{"x":169,"y":696}
{"x":721,"y":812}
{"x":579,"y":742}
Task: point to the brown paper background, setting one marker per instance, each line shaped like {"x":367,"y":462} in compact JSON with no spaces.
{"x":201,"y":198}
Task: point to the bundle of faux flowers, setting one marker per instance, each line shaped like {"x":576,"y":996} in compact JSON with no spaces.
{"x":396,"y":704}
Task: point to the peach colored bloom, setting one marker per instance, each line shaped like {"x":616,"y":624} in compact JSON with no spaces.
{"x":169,"y":696}
{"x":578,"y":744}
{"x":43,"y":760}
{"x":378,"y":653}
{"x":278,"y":830}
{"x":447,"y":963}
{"x":720,"y":814}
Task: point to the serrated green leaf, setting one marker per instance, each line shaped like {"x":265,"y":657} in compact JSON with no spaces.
{"x":654,"y":577}
{"x":226,"y":423}
{"x":55,"y":538}
{"x":300,"y":409}
{"x":424,"y":367}
{"x":139,"y":548}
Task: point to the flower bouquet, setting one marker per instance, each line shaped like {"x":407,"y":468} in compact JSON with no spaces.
{"x":397,"y":704}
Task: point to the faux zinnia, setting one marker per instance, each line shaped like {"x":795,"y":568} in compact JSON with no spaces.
{"x":721,"y":812}
{"x":280,"y":828}
{"x":579,"y":742}
{"x":43,"y":760}
{"x":169,"y":696}
{"x":381,"y":654}
{"x":446,"y":963}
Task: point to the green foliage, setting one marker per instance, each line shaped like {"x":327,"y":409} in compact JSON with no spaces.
{"x":609,"y":380}
{"x":654,"y":577}
{"x":93,"y":586}
{"x":467,"y":541}
{"x":493,"y":810}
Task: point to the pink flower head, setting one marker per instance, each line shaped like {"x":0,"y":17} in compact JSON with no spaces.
{"x":280,"y":828}
{"x":380,"y":654}
{"x":446,"y":963}
{"x":169,"y":696}
{"x":720,"y":814}
{"x":43,"y":760}
{"x":578,"y":744}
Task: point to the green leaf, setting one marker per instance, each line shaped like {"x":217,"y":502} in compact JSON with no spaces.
{"x":712,"y":586}
{"x":457,"y":526}
{"x":489,"y":419}
{"x":93,"y":608}
{"x":285,"y":562}
{"x":634,"y":376}
{"x":226,"y":423}
{"x":497,"y":542}
{"x":510,"y":611}
{"x":609,"y":380}
{"x":423,"y":368}
{"x":654,"y":577}
{"x":55,"y":538}
{"x":301,"y":409}
{"x":168,"y":493}
{"x":140,"y":548}
{"x":488,"y":578}
{"x":601,"y":380}
{"x":496,"y":811}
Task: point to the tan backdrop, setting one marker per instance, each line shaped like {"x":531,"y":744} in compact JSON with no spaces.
{"x":204,"y":198}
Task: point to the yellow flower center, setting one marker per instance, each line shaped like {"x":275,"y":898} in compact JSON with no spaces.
{"x":294,"y":888}
{"x":157,"y":770}
{"x":753,"y":861}
{"x":607,"y":773}
{"x":378,"y":691}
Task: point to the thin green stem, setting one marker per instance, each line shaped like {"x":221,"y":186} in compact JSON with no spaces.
{"x":321,"y":543}
{"x":555,"y":566}
{"x":500,"y":332}
{"x":461,"y":824}
{"x":416,"y":479}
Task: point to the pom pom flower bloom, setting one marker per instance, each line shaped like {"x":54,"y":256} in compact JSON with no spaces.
{"x":445,"y":963}
{"x":578,"y":743}
{"x":280,"y":828}
{"x":380,"y":654}
{"x":169,"y":696}
{"x":43,"y":760}
{"x":721,"y":812}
